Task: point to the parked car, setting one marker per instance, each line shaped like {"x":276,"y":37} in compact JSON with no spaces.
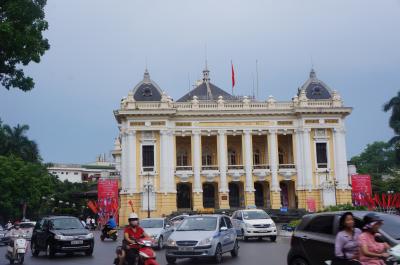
{"x":3,"y":239}
{"x":28,"y":228}
{"x":177,"y":220}
{"x":202,"y":236}
{"x":254,"y":223}
{"x":313,"y":241}
{"x":158,"y":228}
{"x":61,"y":234}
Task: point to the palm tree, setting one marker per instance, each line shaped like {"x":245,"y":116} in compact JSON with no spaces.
{"x":15,"y":142}
{"x":394,"y":122}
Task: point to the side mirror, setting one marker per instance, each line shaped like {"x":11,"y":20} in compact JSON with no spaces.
{"x":167,"y":226}
{"x":224,"y":228}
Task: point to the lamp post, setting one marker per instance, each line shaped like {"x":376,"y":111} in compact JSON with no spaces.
{"x":148,"y":194}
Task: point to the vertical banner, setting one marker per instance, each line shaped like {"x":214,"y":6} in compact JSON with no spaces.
{"x":311,"y":205}
{"x":107,"y":196}
{"x":361,"y":189}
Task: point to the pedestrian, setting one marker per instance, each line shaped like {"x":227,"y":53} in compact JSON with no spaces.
{"x":93,"y":223}
{"x":346,"y":243}
{"x":88,"y":220}
{"x":82,"y":221}
{"x":371,"y":251}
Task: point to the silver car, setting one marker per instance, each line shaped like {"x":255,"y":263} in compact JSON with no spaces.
{"x":198,"y":236}
{"x":158,"y":228}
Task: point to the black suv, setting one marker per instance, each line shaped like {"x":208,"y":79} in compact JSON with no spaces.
{"x":313,"y":241}
{"x":61,"y":234}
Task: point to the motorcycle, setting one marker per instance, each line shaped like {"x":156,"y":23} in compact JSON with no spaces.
{"x":147,"y":256}
{"x":394,"y":258}
{"x":109,"y":233}
{"x":16,"y":249}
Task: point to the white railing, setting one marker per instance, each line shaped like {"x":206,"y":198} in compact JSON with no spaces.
{"x":205,"y":168}
{"x":231,"y":105}
{"x":287,"y":166}
{"x":183,"y":168}
{"x":260,"y":166}
{"x":235,"y":167}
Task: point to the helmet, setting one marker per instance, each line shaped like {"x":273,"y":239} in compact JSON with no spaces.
{"x":371,"y":218}
{"x":133,"y":216}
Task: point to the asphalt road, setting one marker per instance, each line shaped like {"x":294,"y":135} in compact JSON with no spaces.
{"x":251,"y":253}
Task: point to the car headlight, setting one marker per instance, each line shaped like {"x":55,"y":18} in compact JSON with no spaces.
{"x":273,"y":225}
{"x":205,"y":242}
{"x":249,"y":225}
{"x":171,"y":243}
{"x":89,"y":236}
{"x":154,"y":236}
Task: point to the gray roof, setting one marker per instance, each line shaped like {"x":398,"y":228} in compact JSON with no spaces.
{"x":201,"y":92}
{"x":147,"y":90}
{"x":315,"y":88}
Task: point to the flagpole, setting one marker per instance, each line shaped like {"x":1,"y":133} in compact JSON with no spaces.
{"x":257,"y":77}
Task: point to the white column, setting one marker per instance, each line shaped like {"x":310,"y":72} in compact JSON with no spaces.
{"x":308,"y":174}
{"x":299,"y":159}
{"x":273,"y":159}
{"x":341,"y":170}
{"x":131,"y":161}
{"x":124,"y":162}
{"x":222,"y":157}
{"x":171,"y":162}
{"x":164,"y":170}
{"x":197,"y":161}
{"x":248,"y":161}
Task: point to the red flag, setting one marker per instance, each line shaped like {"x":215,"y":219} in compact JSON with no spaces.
{"x":92,"y":206}
{"x":233,"y":76}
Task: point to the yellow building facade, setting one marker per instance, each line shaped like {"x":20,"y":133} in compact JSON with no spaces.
{"x":211,"y":150}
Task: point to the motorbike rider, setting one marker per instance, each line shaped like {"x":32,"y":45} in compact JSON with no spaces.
{"x":110,"y":225}
{"x":132,"y":233}
{"x":15,"y":232}
{"x":371,"y":251}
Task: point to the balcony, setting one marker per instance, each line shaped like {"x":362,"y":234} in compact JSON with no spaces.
{"x":261,"y":171}
{"x":235,"y":171}
{"x":287,"y":170}
{"x":210,"y":172}
{"x":149,"y":170}
{"x":183,"y":173}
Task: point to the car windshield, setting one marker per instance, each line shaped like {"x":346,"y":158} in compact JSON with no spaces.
{"x":198,"y":224}
{"x":151,"y":223}
{"x":66,"y":223}
{"x":391,"y":224}
{"x":251,"y":215}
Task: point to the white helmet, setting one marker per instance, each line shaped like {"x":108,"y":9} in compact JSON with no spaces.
{"x":133,"y":216}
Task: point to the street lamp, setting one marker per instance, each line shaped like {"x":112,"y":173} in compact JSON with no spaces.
{"x":148,"y":194}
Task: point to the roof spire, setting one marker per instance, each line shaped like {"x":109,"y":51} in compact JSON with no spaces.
{"x":206,"y":72}
{"x":312,"y":73}
{"x":146,"y":76}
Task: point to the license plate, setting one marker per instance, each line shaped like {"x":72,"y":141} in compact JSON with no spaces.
{"x":186,"y":249}
{"x":77,"y":242}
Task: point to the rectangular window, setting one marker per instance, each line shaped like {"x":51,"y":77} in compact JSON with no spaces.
{"x":322,"y":156}
{"x":148,"y":157}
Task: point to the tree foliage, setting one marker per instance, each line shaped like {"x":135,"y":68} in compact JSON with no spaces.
{"x":377,"y":159}
{"x":393,"y":105}
{"x":13,"y":141}
{"x":21,"y":26}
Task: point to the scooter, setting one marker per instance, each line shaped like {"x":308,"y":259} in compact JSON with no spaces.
{"x":394,"y":258}
{"x":16,"y":249}
{"x":147,"y":256}
{"x":110,"y":233}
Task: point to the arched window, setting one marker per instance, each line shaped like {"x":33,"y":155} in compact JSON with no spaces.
{"x":206,"y":158}
{"x":256,"y":157}
{"x":182,"y":158}
{"x":231,"y":157}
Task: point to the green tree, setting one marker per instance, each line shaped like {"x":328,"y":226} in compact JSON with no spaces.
{"x":394,"y":122}
{"x":15,"y":142}
{"x":22,"y":183}
{"x":377,"y":159}
{"x":21,"y":26}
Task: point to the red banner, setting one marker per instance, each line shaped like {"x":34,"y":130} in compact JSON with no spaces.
{"x":311,"y":205}
{"x":361,"y":188}
{"x":107,"y":197}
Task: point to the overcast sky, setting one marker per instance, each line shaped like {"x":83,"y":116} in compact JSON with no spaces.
{"x":99,"y":51}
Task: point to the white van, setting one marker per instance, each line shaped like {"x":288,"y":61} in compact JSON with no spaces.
{"x":254,"y":223}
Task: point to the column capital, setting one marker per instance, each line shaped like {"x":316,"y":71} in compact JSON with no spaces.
{"x":272,"y":131}
{"x":247,"y":132}
{"x":307,"y":130}
{"x":131,"y":132}
{"x":196,"y":132}
{"x":222,"y":131}
{"x":299,"y":130}
{"x":339,"y":130}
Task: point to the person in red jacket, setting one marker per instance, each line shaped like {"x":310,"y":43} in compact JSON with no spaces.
{"x":132,"y":233}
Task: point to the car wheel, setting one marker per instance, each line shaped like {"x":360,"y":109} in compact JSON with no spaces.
{"x":170,"y":260}
{"x":102,"y":238}
{"x":235,"y":250}
{"x":218,"y":254}
{"x":49,"y":251}
{"x":160,"y":243}
{"x":21,"y":258}
{"x":273,"y":238}
{"x":298,"y":261}
{"x":114,"y":237}
{"x":34,"y":250}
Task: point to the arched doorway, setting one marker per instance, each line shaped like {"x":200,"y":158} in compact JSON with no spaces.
{"x":288,"y":194}
{"x":234,"y":195}
{"x":259,"y":195}
{"x":184,"y":196}
{"x":209,"y":195}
